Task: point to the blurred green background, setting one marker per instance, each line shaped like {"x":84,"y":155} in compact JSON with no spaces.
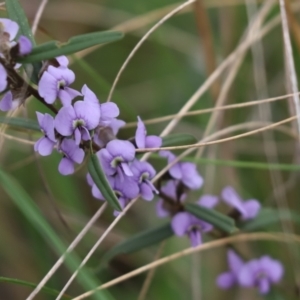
{"x":165,"y":72}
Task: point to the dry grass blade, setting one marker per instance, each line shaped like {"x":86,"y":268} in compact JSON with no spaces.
{"x":132,"y":53}
{"x":238,"y":136}
{"x":70,"y":248}
{"x":38,"y":16}
{"x":208,"y":110}
{"x":276,"y":237}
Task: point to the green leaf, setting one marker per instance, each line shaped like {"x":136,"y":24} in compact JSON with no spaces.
{"x":213,"y":217}
{"x":102,"y":183}
{"x":54,"y":48}
{"x":141,"y":240}
{"x":30,"y":210}
{"x":178,"y":139}
{"x":268,"y":216}
{"x":21,"y":123}
{"x":16,"y":13}
{"x":44,"y":289}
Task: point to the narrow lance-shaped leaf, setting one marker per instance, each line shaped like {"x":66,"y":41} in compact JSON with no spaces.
{"x":269,"y":216}
{"x":178,"y":139}
{"x":102,"y":183}
{"x":213,"y":217}
{"x":54,"y":48}
{"x":21,"y":123}
{"x":141,"y":240}
{"x":30,"y":210}
{"x":44,"y":289}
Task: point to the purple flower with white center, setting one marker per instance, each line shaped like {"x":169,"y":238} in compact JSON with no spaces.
{"x":55,"y":82}
{"x":143,"y":172}
{"x":115,"y":158}
{"x":261,"y":273}
{"x":78,"y":119}
{"x":144,"y":141}
{"x":3,"y":78}
{"x":170,"y":190}
{"x":184,"y":171}
{"x":185,"y":223}
{"x":228,"y":279}
{"x":24,"y":45}
{"x":248,"y":209}
{"x":72,"y":154}
{"x":45,"y":144}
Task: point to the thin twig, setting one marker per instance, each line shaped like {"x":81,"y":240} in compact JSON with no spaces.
{"x":38,"y":16}
{"x":208,"y":110}
{"x":143,"y":39}
{"x":197,"y":145}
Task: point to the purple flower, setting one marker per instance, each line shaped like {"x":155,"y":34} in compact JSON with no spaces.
{"x":184,"y":171}
{"x":72,"y":154}
{"x":143,"y":172}
{"x":116,"y":156}
{"x":185,"y":223}
{"x":163,"y":208}
{"x":228,"y":279}
{"x":248,"y":209}
{"x":24,"y":45}
{"x":78,"y":119}
{"x":3,"y":78}
{"x":144,"y":141}
{"x":7,"y":103}
{"x":46,"y":143}
{"x":261,"y":273}
{"x":208,"y":201}
{"x":55,"y":82}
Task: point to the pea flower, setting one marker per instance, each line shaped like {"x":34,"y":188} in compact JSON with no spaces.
{"x":164,"y":208}
{"x":55,"y":82}
{"x":261,"y":273}
{"x":143,"y":172}
{"x":8,"y":32}
{"x":72,"y":154}
{"x":115,"y":158}
{"x":144,"y":141}
{"x":78,"y":119}
{"x":228,"y":279}
{"x":45,"y":144}
{"x":248,"y":209}
{"x":184,"y":171}
{"x":184,"y":223}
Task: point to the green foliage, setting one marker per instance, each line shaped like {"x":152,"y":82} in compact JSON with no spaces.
{"x":102,"y":183}
{"x":53,"y":49}
{"x":178,"y":139}
{"x":21,"y":123}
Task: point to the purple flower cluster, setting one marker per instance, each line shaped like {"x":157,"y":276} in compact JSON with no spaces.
{"x":173,"y":195}
{"x":260,"y":273}
{"x":10,"y":49}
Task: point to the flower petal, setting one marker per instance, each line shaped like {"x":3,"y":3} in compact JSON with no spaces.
{"x":161,"y":212}
{"x":66,"y":166}
{"x":234,"y":261}
{"x":62,"y":74}
{"x":109,"y":110}
{"x":272,"y":267}
{"x":44,"y":146}
{"x":208,"y":201}
{"x":121,"y":148}
{"x":195,"y":237}
{"x":180,"y":223}
{"x":64,"y":120}
{"x":226,"y":280}
{"x":3,"y":78}
{"x":231,"y":197}
{"x":66,"y":95}
{"x":25,"y":45}
{"x":140,"y":134}
{"x":146,"y":192}
{"x":190,"y":176}
{"x":252,"y":208}
{"x":89,"y":112}
{"x":10,"y":27}
{"x":62,"y":60}
{"x":48,"y":88}
{"x":6,"y":103}
{"x":153,"y":141}
{"x":246,"y":275}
